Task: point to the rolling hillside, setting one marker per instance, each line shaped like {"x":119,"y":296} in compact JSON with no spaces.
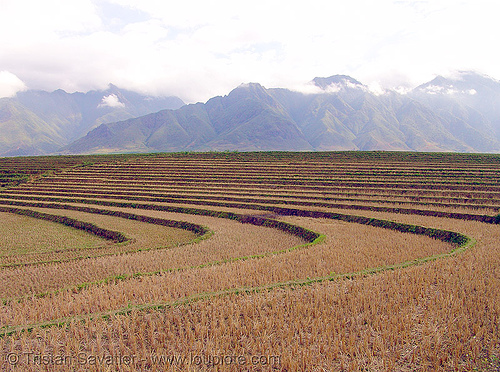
{"x":343,"y":114}
{"x":38,"y":122}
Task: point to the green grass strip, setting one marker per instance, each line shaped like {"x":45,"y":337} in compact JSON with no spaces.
{"x":117,"y":278}
{"x":309,"y":236}
{"x":467,"y":243}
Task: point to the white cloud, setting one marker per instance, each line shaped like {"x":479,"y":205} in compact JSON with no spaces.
{"x":375,"y":88}
{"x":434,"y":89}
{"x":337,"y":87}
{"x":402,"y":90}
{"x":448,"y":89}
{"x":306,"y":88}
{"x":26,"y":22}
{"x":333,"y":88}
{"x":111,"y":101}
{"x":197,"y":49}
{"x":10,"y":84}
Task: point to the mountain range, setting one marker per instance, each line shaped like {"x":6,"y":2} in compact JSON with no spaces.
{"x":36,"y":122}
{"x":459,"y":113}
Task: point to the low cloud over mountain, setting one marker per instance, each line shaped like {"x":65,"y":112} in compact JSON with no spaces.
{"x":461,"y":113}
{"x":454,"y":114}
{"x":39,"y":122}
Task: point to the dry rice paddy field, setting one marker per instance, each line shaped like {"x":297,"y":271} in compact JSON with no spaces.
{"x":329,"y":261}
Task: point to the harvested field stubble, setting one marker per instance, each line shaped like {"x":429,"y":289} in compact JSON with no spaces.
{"x":229,"y":241}
{"x":417,"y":293}
{"x":384,"y":248}
{"x":157,"y":234}
{"x":329,"y":202}
{"x":22,"y":235}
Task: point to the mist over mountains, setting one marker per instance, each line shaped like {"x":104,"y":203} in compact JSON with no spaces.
{"x":461,"y":113}
{"x":37,"y":122}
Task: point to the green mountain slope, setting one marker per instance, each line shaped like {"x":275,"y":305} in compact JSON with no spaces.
{"x":38,"y":122}
{"x":342,"y":115}
{"x":33,"y":137}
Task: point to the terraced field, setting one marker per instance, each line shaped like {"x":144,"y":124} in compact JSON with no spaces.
{"x":251,"y":261}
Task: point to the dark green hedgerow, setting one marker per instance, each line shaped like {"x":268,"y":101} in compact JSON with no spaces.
{"x":286,"y":176}
{"x":444,"y":235}
{"x":182,"y":180}
{"x":277,"y":210}
{"x":301,"y":232}
{"x":305,"y":234}
{"x":85,"y":226}
{"x":197,"y":229}
{"x":311,"y":170}
{"x":166,"y":198}
{"x":464,"y":199}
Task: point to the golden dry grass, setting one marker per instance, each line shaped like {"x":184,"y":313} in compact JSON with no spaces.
{"x":463,"y":204}
{"x":25,"y":236}
{"x":382,"y":248}
{"x":51,"y":242}
{"x":230,"y":240}
{"x":441,"y":315}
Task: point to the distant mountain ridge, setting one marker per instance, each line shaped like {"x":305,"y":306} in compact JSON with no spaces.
{"x":447,"y":114}
{"x":37,"y":122}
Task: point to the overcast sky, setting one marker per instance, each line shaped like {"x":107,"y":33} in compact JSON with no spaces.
{"x":198,"y":49}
